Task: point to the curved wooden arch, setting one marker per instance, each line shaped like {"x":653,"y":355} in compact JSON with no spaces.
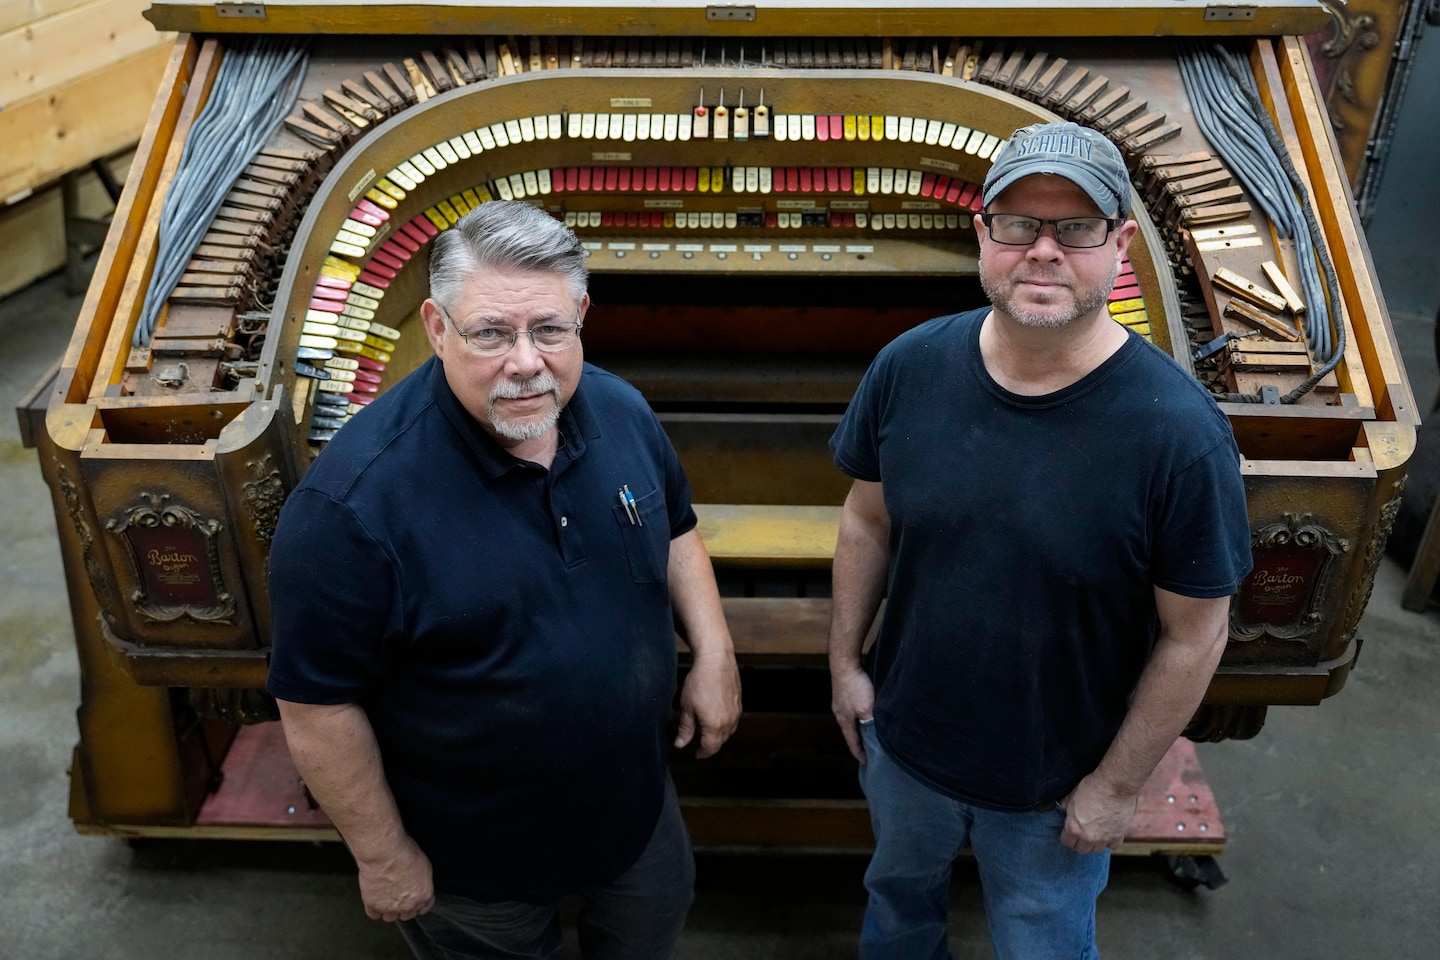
{"x":450,"y":114}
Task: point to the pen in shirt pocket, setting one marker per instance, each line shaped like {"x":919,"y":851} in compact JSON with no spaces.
{"x":627,"y":501}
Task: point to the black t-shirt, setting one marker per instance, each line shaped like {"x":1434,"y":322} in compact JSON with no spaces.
{"x":507,"y":629}
{"x":1027,"y":537}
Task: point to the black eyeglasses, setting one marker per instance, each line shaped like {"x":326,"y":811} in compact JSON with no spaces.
{"x":1018,"y":230}
{"x":496,"y":339}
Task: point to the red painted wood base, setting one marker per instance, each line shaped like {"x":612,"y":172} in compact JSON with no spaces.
{"x":261,"y":789}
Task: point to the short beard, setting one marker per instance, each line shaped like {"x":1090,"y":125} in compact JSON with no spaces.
{"x":1087,"y":303}
{"x":531,"y":429}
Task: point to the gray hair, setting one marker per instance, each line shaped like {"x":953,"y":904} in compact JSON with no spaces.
{"x":505,"y":235}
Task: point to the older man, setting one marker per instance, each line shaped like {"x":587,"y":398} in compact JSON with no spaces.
{"x":1056,"y":509}
{"x":474,"y":653}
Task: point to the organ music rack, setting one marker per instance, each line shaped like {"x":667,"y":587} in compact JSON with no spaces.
{"x":742,"y":283}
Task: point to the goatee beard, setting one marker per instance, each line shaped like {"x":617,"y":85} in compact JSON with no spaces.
{"x":529,"y":429}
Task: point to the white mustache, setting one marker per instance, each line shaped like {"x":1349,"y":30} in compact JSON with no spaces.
{"x":510,"y":389}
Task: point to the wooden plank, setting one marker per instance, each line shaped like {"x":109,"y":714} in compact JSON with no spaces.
{"x":1176,"y":812}
{"x":51,"y":52}
{"x":763,"y":534}
{"x":77,"y":368}
{"x":94,"y":116}
{"x":261,"y":787}
{"x":789,"y":630}
{"x":17,"y":13}
{"x":813,"y":825}
{"x":836,"y":18}
{"x":778,"y":628}
{"x":1336,"y":212}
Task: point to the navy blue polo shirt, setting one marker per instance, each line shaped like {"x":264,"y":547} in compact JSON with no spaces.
{"x":506,"y":628}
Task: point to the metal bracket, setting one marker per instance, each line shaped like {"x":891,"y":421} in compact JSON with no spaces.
{"x":730,"y":12}
{"x":1269,"y":394}
{"x":1212,"y":347}
{"x":250,"y":11}
{"x":1230,"y":13}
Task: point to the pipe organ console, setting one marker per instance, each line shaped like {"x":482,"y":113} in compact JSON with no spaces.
{"x":769,"y":194}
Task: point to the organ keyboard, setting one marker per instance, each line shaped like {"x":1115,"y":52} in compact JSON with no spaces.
{"x":769,"y":194}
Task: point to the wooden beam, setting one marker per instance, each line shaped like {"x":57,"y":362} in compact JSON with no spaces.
{"x":52,"y":52}
{"x":837,"y":18}
{"x":93,"y":116}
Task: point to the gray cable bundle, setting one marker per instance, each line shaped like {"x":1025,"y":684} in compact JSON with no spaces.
{"x":255,"y":89}
{"x":1226,"y":103}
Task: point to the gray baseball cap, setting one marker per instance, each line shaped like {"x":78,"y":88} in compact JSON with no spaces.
{"x":1079,"y":154}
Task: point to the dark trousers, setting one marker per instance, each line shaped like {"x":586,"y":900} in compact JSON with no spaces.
{"x":637,"y":916}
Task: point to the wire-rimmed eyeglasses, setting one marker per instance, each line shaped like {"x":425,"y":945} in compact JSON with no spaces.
{"x":496,"y":339}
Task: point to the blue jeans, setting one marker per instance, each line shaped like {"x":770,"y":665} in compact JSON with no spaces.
{"x":637,"y":916}
{"x":1039,"y":895}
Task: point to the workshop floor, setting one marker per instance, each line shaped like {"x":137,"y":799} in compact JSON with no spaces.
{"x":1331,"y":850}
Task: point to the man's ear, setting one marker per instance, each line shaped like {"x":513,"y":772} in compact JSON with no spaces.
{"x":1124,"y":234}
{"x":434,"y":322}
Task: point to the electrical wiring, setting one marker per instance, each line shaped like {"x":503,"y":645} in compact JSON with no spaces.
{"x":255,"y":88}
{"x":1226,"y":102}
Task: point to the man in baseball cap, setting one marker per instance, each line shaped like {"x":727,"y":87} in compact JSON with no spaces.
{"x":1054,"y":510}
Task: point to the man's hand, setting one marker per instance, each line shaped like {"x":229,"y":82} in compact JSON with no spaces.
{"x":709,"y":699}
{"x":852,"y":699}
{"x":1096,"y":817}
{"x":399,"y":886}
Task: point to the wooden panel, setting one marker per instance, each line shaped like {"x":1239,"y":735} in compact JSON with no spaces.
{"x":1177,"y":812}
{"x":1019,"y":18}
{"x":67,"y":127}
{"x":17,"y":13}
{"x":51,"y":52}
{"x":779,"y":629}
{"x":261,"y":786}
{"x":761,"y":534}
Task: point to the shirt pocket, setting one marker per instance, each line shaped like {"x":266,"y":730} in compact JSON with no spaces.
{"x":647,"y":542}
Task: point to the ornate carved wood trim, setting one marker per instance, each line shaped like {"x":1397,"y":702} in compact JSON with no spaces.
{"x":264,"y":496}
{"x":94,"y":571}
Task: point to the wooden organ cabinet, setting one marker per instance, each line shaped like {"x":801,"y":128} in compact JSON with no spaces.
{"x":743,"y":279}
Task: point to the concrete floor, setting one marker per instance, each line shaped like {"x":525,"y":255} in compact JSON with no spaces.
{"x":1332,"y":851}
